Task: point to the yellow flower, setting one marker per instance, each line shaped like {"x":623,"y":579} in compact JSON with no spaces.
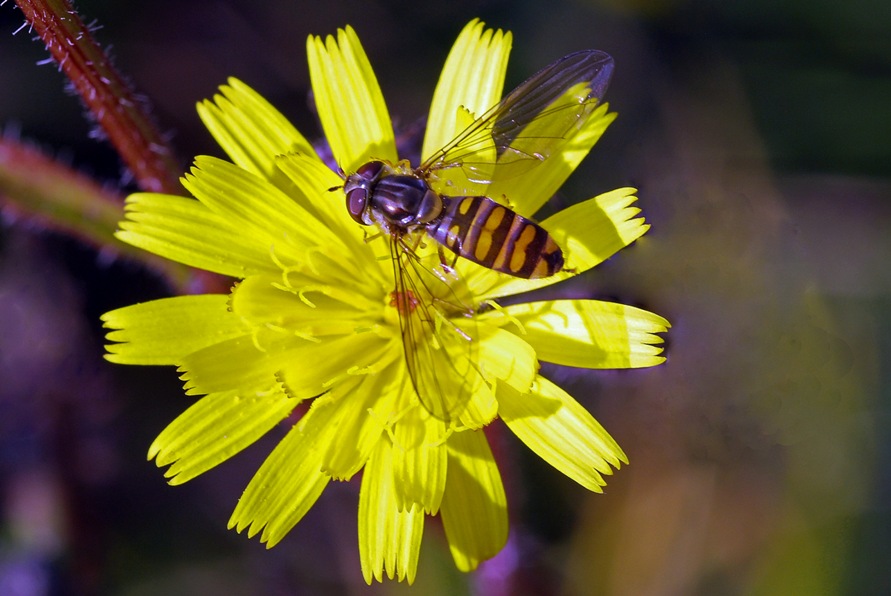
{"x":313,"y":317}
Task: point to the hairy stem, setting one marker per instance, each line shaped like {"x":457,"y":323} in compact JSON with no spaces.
{"x":113,"y":103}
{"x":38,"y":192}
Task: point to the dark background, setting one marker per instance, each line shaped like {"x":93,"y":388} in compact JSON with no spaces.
{"x":759,"y":136}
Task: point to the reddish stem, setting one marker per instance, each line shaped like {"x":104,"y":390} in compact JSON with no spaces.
{"x":109,"y":98}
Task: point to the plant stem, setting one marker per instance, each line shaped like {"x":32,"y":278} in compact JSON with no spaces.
{"x":113,"y":103}
{"x":43,"y":194}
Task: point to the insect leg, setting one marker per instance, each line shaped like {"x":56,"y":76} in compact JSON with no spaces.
{"x":448,"y":268}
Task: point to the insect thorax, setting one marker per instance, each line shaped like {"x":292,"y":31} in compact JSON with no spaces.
{"x":392,"y":196}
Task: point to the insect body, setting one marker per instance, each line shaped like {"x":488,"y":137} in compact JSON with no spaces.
{"x":441,"y":200}
{"x":473,"y":227}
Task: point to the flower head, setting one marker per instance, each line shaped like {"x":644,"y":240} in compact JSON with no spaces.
{"x":319,"y":316}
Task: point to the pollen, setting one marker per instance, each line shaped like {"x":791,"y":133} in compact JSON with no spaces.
{"x":404,"y":302}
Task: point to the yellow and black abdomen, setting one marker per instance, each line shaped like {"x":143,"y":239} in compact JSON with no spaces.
{"x":490,"y":234}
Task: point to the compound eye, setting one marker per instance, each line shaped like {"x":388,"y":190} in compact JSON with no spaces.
{"x":371,"y":170}
{"x":356,"y":202}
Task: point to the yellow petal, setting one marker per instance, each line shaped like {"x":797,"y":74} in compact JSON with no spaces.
{"x":325,"y":189}
{"x":288,"y":483}
{"x":250,"y":130}
{"x":217,"y":427}
{"x":349,"y":101}
{"x":590,"y":333}
{"x":165,"y":331}
{"x":444,"y":365}
{"x":419,"y":461}
{"x":561,"y":432}
{"x":588,"y":233}
{"x":186,"y":231}
{"x":307,"y":310}
{"x":389,"y":537}
{"x":508,"y":358}
{"x":500,"y":356}
{"x":260,"y":210}
{"x":594,"y":230}
{"x":474,"y":506}
{"x":483,"y":53}
{"x":306,"y":367}
{"x":322,"y":186}
{"x":236,"y":363}
{"x":480,"y":409}
{"x":314,"y":366}
{"x":465,"y":396}
{"x":528,"y":193}
{"x":353,"y":432}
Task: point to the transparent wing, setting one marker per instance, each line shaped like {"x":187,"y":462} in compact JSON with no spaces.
{"x":524,"y":128}
{"x":438,"y":333}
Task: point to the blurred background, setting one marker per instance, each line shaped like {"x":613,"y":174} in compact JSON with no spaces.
{"x":759,"y":136}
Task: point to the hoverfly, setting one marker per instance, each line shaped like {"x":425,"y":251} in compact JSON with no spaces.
{"x":433,"y":201}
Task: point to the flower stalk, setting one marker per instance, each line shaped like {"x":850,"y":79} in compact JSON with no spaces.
{"x":123,"y":118}
{"x":37,"y":189}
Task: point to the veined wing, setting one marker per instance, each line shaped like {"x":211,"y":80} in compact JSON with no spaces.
{"x":438,"y":333}
{"x":526,"y":127}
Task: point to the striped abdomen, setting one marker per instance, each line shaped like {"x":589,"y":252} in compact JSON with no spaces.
{"x":481,"y":230}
